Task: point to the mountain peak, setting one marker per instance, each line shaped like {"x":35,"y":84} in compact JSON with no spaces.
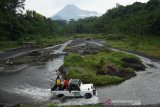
{"x":71,"y":11}
{"x":70,"y":7}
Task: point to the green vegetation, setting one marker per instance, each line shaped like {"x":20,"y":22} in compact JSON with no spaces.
{"x":8,"y":45}
{"x":86,"y":67}
{"x":16,"y":27}
{"x":40,"y":42}
{"x":118,"y":25}
{"x":148,"y":45}
{"x":138,"y":18}
{"x":50,"y":40}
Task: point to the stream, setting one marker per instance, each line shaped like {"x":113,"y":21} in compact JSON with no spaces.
{"x":31,"y":84}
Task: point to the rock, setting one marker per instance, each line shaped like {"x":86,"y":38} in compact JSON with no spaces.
{"x":86,"y":52}
{"x":112,"y":70}
{"x":152,"y":65}
{"x":88,"y":39}
{"x":81,"y":51}
{"x":138,"y":67}
{"x":81,"y":45}
{"x":10,"y":61}
{"x":63,"y":70}
{"x":82,"y":48}
{"x":35,"y":53}
{"x":131,"y":60}
{"x":126,"y":73}
{"x":108,"y":69}
{"x":134,"y":63}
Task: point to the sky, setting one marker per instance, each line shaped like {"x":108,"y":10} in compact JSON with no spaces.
{"x":50,"y":7}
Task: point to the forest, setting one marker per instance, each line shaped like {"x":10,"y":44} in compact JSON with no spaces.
{"x":18,"y":26}
{"x":138,"y":18}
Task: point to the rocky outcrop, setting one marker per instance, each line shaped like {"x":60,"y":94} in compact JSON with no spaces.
{"x":35,"y":53}
{"x":63,"y":69}
{"x":134,"y":63}
{"x":82,"y":47}
{"x":130,"y":65}
{"x":112,"y":70}
{"x":26,"y":58}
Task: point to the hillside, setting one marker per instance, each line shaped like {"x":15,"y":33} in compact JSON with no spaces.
{"x":138,"y":18}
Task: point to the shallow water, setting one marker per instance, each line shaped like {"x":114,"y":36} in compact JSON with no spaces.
{"x":30,"y":83}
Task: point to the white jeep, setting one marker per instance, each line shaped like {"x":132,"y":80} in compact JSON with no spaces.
{"x":76,"y":89}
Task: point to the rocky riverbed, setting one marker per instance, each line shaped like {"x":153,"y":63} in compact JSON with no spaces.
{"x":106,"y":66}
{"x":30,"y":82}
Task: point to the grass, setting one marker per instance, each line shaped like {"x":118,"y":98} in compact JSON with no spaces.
{"x":8,"y":45}
{"x":49,"y":41}
{"x":41,"y":41}
{"x":147,"y":44}
{"x":85,"y":36}
{"x":86,"y":67}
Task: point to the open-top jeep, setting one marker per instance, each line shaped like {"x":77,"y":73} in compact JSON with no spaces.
{"x":76,"y":89}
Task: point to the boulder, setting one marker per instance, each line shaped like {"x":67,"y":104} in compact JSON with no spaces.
{"x":131,"y":60}
{"x":126,"y":73}
{"x":63,"y":70}
{"x":35,"y":53}
{"x":112,"y":70}
{"x":134,"y":63}
{"x":151,"y":65}
{"x":108,"y":69}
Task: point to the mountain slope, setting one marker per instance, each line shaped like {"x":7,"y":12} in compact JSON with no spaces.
{"x":72,"y":12}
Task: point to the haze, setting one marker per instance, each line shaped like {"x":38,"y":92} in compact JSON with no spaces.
{"x":50,"y":7}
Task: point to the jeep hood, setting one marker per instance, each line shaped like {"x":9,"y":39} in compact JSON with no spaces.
{"x":86,"y":86}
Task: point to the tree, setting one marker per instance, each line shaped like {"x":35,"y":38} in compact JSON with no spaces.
{"x":13,"y":6}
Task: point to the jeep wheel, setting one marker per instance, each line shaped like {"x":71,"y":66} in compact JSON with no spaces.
{"x":88,"y":95}
{"x":60,"y":96}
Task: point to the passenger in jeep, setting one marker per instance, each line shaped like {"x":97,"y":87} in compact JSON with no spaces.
{"x":66,"y":84}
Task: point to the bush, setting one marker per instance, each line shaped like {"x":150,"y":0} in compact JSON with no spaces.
{"x":116,"y":36}
{"x":73,"y":59}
